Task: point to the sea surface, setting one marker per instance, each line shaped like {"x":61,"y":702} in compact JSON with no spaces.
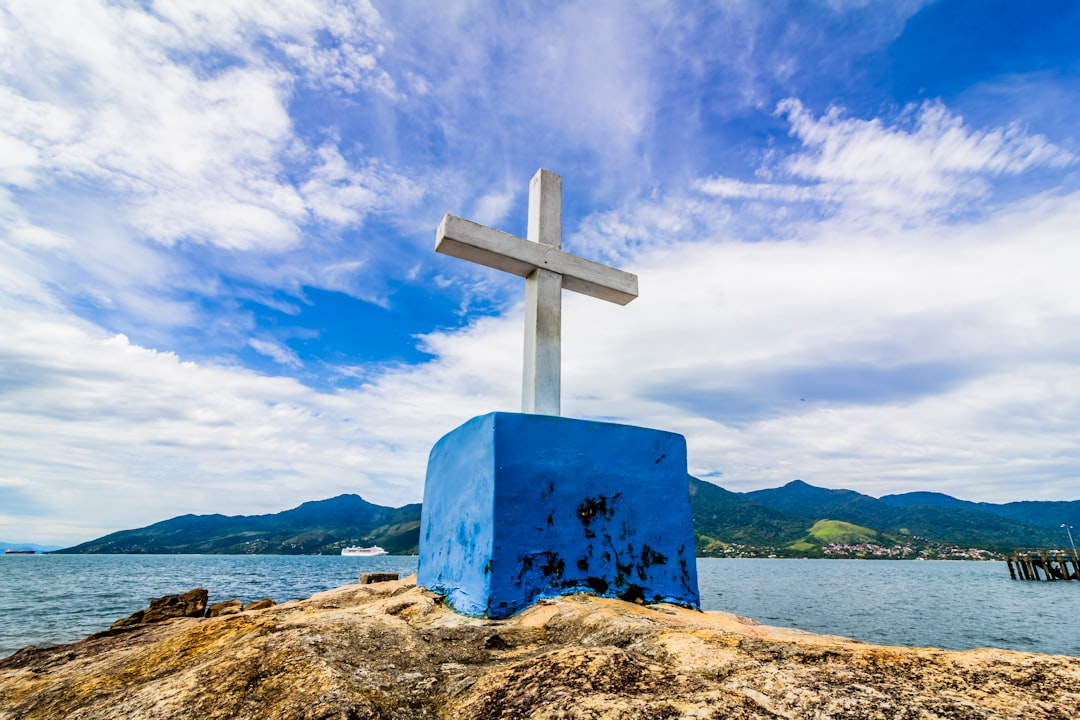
{"x":52,"y":599}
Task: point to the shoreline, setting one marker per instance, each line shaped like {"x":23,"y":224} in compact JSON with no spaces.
{"x":375,"y":650}
{"x":907,"y":603}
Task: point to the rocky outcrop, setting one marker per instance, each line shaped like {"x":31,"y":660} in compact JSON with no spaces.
{"x":189,"y":604}
{"x":392,"y":650}
{"x":193,"y":603}
{"x":229,"y":607}
{"x":377,"y":577}
{"x":259,"y":604}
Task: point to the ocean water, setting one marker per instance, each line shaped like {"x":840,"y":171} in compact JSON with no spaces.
{"x":52,"y":599}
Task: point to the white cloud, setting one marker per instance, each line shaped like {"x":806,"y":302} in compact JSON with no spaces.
{"x":530,"y":87}
{"x":935,"y":163}
{"x":180,"y":110}
{"x":931,"y":358}
{"x":343,"y":194}
{"x":275,"y":351}
{"x":103,"y":433}
{"x":651,"y":224}
{"x":347,"y":68}
{"x":926,"y":167}
{"x":135,"y":120}
{"x":729,"y":188}
{"x":587,"y":69}
{"x":348,"y":61}
{"x":139,"y":135}
{"x":492,"y":208}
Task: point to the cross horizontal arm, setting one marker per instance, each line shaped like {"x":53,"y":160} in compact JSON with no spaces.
{"x":510,"y":253}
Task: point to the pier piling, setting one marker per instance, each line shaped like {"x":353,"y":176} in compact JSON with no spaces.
{"x":1043,"y":564}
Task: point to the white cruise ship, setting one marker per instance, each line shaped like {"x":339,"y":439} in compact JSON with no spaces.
{"x":363,"y":551}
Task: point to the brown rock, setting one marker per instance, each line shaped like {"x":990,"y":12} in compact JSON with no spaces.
{"x":229,"y":607}
{"x":394,"y":651}
{"x":259,"y":604}
{"x":377,"y":577}
{"x":189,"y":604}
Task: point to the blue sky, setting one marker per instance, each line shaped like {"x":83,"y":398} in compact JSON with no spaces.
{"x":854,"y":224}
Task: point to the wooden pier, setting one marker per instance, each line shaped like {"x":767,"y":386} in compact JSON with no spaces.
{"x":1043,"y":564}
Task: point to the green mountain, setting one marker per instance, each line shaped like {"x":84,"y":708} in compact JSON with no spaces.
{"x":723,"y":518}
{"x":1043,"y":513}
{"x":926,"y":498}
{"x":797,"y":520}
{"x":321,"y":526}
{"x":838,"y":531}
{"x":943,"y":522}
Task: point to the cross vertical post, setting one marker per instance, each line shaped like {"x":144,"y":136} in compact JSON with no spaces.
{"x":541,"y":379}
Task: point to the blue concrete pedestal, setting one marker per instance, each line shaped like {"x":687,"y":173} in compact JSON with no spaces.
{"x":520,"y":507}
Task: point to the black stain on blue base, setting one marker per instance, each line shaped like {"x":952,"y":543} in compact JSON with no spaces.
{"x":599,"y":506}
{"x":598,"y":585}
{"x":554,"y":567}
{"x":649,"y":557}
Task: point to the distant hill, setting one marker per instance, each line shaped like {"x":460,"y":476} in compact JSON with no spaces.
{"x":804,"y":500}
{"x":797,"y":519}
{"x":926,"y":498}
{"x":1043,"y":513}
{"x":722,"y":517}
{"x":321,"y":526}
{"x":1038,"y":512}
{"x":826,"y":532}
{"x":943,"y":519}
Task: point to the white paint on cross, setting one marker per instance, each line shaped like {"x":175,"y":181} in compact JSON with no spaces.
{"x":547,"y":270}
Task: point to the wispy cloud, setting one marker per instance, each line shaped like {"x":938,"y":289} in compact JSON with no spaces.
{"x":275,"y":351}
{"x":926,"y":163}
{"x":341,"y":193}
{"x":159,"y":171}
{"x":730,"y":188}
{"x":929,"y":163}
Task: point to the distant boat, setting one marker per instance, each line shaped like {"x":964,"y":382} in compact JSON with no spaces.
{"x":9,"y":551}
{"x":364,"y":551}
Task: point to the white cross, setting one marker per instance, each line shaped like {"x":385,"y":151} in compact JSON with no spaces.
{"x":547,"y":270}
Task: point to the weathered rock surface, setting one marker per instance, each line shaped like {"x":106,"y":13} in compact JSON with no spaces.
{"x":228,"y":607}
{"x":376,"y":577}
{"x":189,"y":604}
{"x":391,"y":650}
{"x":259,"y":604}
